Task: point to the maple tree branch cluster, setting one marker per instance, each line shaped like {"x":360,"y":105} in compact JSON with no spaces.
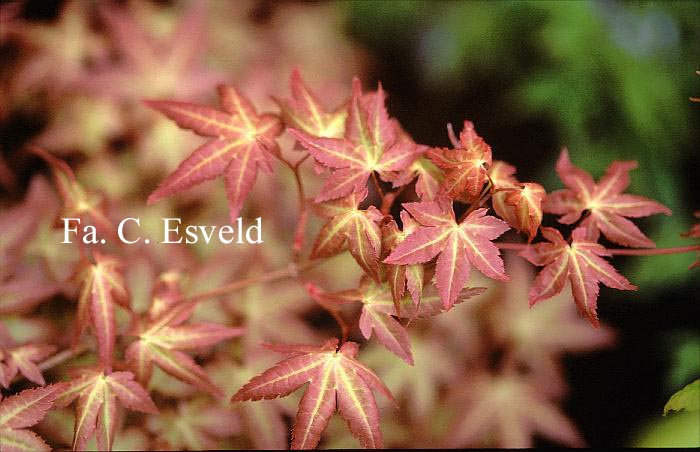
{"x":416,"y":265}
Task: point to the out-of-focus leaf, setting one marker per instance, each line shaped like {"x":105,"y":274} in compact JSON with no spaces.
{"x":687,"y":399}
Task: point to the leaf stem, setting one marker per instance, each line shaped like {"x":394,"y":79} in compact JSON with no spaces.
{"x":300,"y":230}
{"x":388,"y":200}
{"x":376,"y":185}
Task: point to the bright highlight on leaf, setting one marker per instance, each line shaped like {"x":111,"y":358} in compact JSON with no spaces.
{"x":687,"y":399}
{"x":580,"y":263}
{"x":337,"y":381}
{"x":305,"y":112}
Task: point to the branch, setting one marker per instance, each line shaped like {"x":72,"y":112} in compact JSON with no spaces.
{"x":653,"y":251}
{"x":292,"y":271}
{"x":617,"y":251}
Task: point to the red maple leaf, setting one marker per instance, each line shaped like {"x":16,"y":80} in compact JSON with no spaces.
{"x":337,"y":380}
{"x":242,"y":142}
{"x":97,"y":393}
{"x":103,"y":287}
{"x":506,"y":411}
{"x":605,"y":202}
{"x":23,"y":359}
{"x":467,"y":165}
{"x":371,"y":144}
{"x":194,"y":425}
{"x":21,"y":411}
{"x":537,"y":337}
{"x":356,"y":226}
{"x":380,"y":313}
{"x":305,"y":112}
{"x":77,"y":202}
{"x":171,"y":65}
{"x":457,"y":244}
{"x":162,"y":339}
{"x":401,"y":277}
{"x":520,"y":204}
{"x":581,"y":263}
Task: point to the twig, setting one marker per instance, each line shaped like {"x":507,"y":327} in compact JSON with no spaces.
{"x":290,"y":272}
{"x":617,"y":251}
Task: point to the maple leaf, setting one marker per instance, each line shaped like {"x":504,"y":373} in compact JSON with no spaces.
{"x":23,"y":283}
{"x":77,"y":202}
{"x":537,"y":337}
{"x":357,"y":227}
{"x":605,"y":202}
{"x":467,"y":165}
{"x":400,"y":277}
{"x":371,"y":144}
{"x":23,"y":410}
{"x":194,"y":425}
{"x":264,"y":423}
{"x":687,"y":399}
{"x":336,"y":380}
{"x":379,"y":311}
{"x":161,"y":341}
{"x":420,"y":387}
{"x":23,"y":359}
{"x":520,"y":204}
{"x":581,"y":263}
{"x":509,"y":409}
{"x":19,"y":224}
{"x":170,"y":65}
{"x":103,"y":287}
{"x":60,"y":49}
{"x":241,"y":144}
{"x":304,"y":112}
{"x":96,"y":411}
{"x":457,"y":244}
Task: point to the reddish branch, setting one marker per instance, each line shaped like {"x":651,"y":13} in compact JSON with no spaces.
{"x":618,"y":251}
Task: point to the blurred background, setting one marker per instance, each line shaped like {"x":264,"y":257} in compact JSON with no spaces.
{"x":610,"y":80}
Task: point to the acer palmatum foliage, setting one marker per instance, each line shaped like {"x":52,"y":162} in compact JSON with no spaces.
{"x":606,"y":204}
{"x":337,"y":381}
{"x":580,"y":263}
{"x":416,"y":221}
{"x":21,"y":411}
{"x":242,"y":143}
